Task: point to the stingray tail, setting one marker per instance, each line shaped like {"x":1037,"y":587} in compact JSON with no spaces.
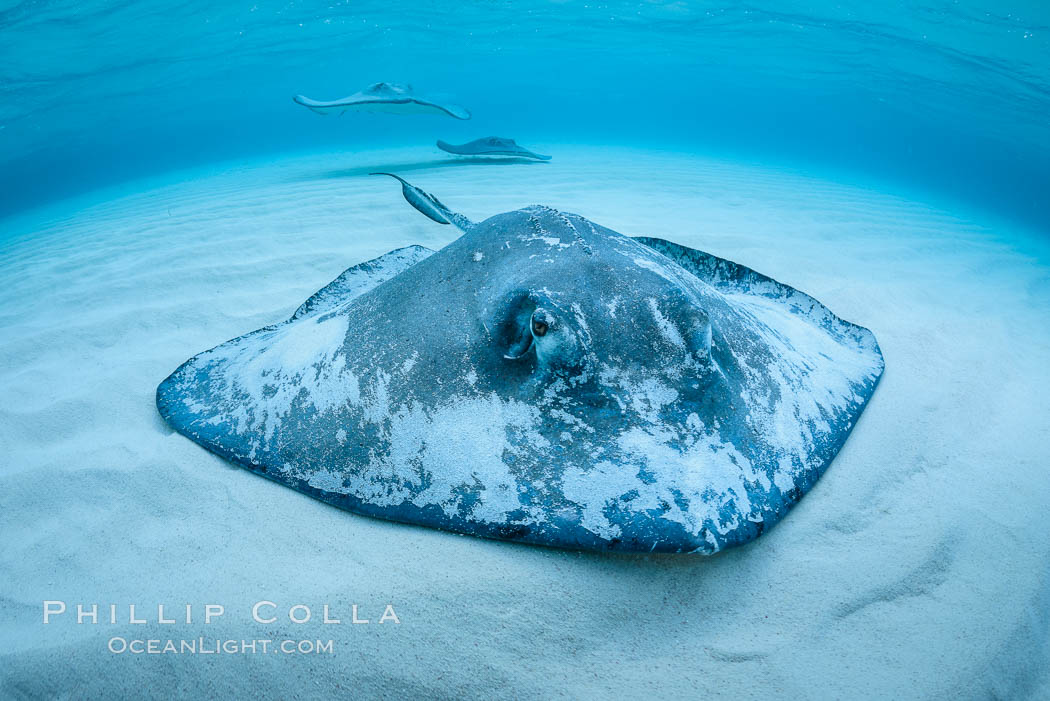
{"x":430,"y":205}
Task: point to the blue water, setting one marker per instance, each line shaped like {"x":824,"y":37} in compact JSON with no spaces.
{"x":950,"y":99}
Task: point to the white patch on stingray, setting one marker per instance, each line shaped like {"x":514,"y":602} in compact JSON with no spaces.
{"x":551,"y":241}
{"x":376,"y":403}
{"x":649,"y":396}
{"x":791,"y":398}
{"x":566,"y":417}
{"x":707,"y":473}
{"x":302,"y":362}
{"x":783,"y":477}
{"x":410,"y":362}
{"x":429,"y":447}
{"x":657,"y":268}
{"x":596,"y":488}
{"x":581,"y":319}
{"x":326,"y":480}
{"x":668,"y":330}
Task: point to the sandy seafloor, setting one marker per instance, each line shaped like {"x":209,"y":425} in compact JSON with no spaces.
{"x":917,"y":567}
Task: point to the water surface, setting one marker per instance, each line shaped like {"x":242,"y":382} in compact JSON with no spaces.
{"x":948,"y":98}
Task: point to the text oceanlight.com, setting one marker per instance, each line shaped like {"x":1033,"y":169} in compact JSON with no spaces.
{"x":211,"y":646}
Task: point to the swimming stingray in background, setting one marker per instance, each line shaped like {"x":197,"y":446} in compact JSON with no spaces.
{"x":490,"y":146}
{"x":384,"y":97}
{"x":542,"y":379}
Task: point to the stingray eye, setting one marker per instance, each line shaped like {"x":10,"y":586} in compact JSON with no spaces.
{"x":542,"y":322}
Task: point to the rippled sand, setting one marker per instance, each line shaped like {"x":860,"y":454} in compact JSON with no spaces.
{"x":916,"y":567}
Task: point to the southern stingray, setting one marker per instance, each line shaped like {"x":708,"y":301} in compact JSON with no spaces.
{"x":384,"y":97}
{"x":490,"y":146}
{"x":542,"y":379}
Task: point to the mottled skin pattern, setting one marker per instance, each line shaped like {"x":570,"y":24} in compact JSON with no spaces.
{"x":543,"y":379}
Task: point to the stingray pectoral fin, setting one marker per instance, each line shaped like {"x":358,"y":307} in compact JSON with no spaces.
{"x":735,"y":279}
{"x":318,"y":106}
{"x":430,"y":205}
{"x":361,"y":278}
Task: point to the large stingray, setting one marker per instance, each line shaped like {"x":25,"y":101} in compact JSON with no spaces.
{"x":490,"y":146}
{"x":384,"y":97}
{"x":542,"y":379}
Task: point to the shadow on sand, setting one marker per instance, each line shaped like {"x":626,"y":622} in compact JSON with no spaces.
{"x":426,"y":165}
